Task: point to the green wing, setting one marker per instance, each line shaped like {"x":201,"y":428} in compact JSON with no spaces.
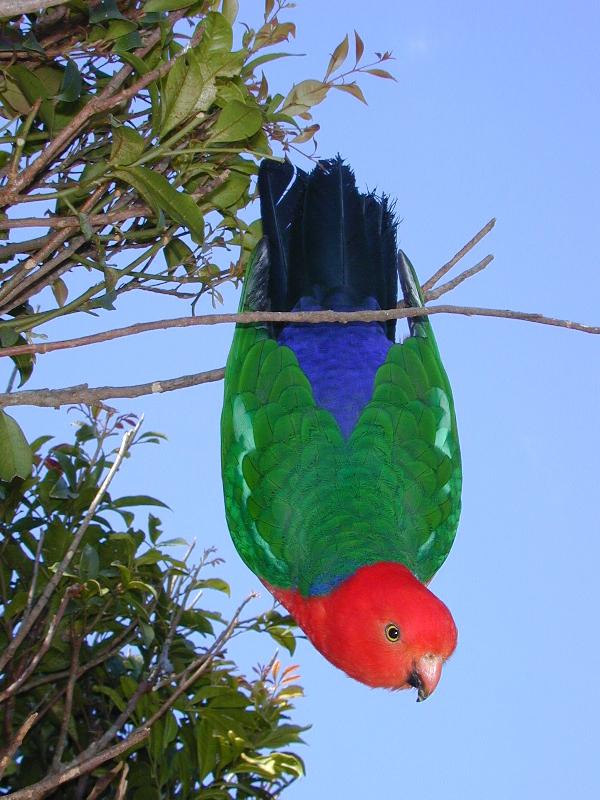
{"x":305,"y":507}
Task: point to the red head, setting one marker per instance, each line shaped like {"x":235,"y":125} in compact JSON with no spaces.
{"x":382,"y":626}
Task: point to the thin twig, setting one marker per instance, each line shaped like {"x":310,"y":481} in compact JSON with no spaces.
{"x":68,"y":706}
{"x":21,"y":283}
{"x":74,"y":222}
{"x":105,"y":780}
{"x":115,"y":645}
{"x":433,"y":294}
{"x":36,"y":568}
{"x":43,"y":649}
{"x":16,"y":742}
{"x":30,"y":618}
{"x":429,"y":284}
{"x":122,"y":787}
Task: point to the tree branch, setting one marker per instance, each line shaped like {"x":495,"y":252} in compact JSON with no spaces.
{"x":108,"y":99}
{"x":12,"y":747}
{"x":54,"y":398}
{"x":76,"y":769}
{"x":312,"y":317}
{"x":12,"y":8}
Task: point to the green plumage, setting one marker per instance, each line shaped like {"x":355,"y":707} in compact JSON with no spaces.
{"x":307,"y":507}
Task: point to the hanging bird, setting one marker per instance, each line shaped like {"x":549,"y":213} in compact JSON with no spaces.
{"x":340,"y":455}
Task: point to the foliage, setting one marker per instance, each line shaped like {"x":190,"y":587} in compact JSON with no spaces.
{"x":138,"y":127}
{"x":124,"y":642}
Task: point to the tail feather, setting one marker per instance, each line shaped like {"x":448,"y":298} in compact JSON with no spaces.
{"x":325,"y":235}
{"x":281,"y":189}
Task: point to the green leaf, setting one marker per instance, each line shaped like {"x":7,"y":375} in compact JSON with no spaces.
{"x":89,"y":565}
{"x":283,"y":637}
{"x":117,"y":698}
{"x":137,"y":500}
{"x":147,"y":633}
{"x":127,"y":145}
{"x":230,"y":10}
{"x":177,"y":253}
{"x":236,"y":121}
{"x":24,"y":363}
{"x":70,"y":88}
{"x":213,"y":583}
{"x":167,"y":5}
{"x":230,"y":192}
{"x":158,"y":193}
{"x":304,"y":96}
{"x":251,"y":66}
{"x":129,"y":41}
{"x":16,"y":459}
{"x":190,"y":87}
{"x":103,"y":10}
{"x":60,"y":291}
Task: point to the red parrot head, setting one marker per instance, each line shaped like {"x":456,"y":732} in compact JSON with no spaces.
{"x":381,"y":626}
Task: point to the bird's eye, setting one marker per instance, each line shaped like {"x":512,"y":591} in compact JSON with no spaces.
{"x":392,"y":633}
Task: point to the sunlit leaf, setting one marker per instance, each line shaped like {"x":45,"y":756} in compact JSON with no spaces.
{"x":16,"y":459}
{"x":127,"y":145}
{"x":338,"y":57}
{"x":353,"y":89}
{"x":60,"y":291}
{"x":380,"y":73}
{"x":236,"y":121}
{"x":359,"y":47}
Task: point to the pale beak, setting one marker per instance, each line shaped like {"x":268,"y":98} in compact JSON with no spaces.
{"x":426,"y":675}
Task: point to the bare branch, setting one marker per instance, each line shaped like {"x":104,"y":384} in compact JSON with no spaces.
{"x":429,"y":284}
{"x":433,"y":294}
{"x":10,"y":8}
{"x":54,"y":398}
{"x":312,"y":317}
{"x":33,"y":614}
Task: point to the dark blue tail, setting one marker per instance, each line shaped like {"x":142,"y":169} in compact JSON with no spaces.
{"x":326,"y":239}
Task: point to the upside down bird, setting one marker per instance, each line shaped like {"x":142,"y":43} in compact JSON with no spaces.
{"x":340,"y":456}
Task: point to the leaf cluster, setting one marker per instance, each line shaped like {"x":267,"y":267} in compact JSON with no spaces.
{"x":136,"y":127}
{"x":125,"y":641}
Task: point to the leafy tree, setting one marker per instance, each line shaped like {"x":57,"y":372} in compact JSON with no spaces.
{"x":136,"y":128}
{"x":107,"y":653}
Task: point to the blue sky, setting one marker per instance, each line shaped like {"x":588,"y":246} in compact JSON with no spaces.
{"x":495,"y":113}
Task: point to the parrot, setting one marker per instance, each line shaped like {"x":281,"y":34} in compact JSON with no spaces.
{"x":340,"y":457}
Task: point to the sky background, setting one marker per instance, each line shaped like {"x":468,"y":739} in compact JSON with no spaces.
{"x":495,"y":113}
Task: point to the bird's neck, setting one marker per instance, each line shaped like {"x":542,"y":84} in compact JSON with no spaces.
{"x":309,"y":612}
